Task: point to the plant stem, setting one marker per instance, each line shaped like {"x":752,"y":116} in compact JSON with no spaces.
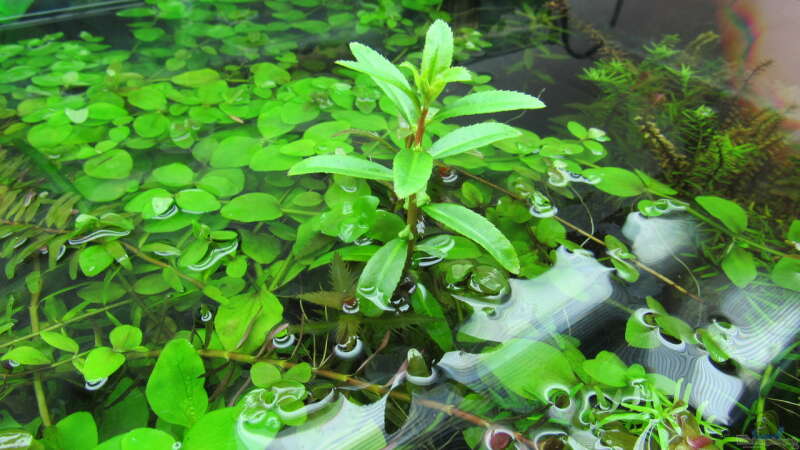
{"x":38,"y":388}
{"x":65,"y":323}
{"x":151,"y":260}
{"x":353,"y":381}
{"x":591,"y":237}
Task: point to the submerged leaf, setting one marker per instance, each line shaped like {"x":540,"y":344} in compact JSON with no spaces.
{"x":380,"y":277}
{"x":489,"y":102}
{"x":477,"y":228}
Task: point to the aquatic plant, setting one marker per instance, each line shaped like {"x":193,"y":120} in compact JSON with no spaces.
{"x":167,"y":214}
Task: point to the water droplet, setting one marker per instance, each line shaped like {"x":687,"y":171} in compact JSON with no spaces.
{"x":350,"y":349}
{"x":541,"y":207}
{"x":284,"y":341}
{"x":93,"y":385}
{"x":177,"y":445}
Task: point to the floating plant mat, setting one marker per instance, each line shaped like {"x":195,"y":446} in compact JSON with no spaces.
{"x":242,"y":233}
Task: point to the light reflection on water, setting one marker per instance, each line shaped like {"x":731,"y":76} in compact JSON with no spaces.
{"x":571,"y":299}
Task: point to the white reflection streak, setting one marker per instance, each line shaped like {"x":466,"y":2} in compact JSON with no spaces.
{"x":566,"y":293}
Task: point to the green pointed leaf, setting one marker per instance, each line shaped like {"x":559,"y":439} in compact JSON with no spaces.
{"x":342,"y":165}
{"x":489,"y":102}
{"x":101,"y":362}
{"x":437,"y":55}
{"x":474,"y":136}
{"x":386,"y":75}
{"x":27,"y":355}
{"x":475,"y":227}
{"x":739,"y":266}
{"x":381,"y":276}
{"x":412,"y":170}
{"x":729,"y":213}
{"x":252,"y":207}
{"x":60,"y":341}
{"x":175,"y":388}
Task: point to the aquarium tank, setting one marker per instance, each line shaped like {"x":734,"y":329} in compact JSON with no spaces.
{"x":399,"y":224}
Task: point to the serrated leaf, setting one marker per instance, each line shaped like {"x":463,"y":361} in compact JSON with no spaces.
{"x":437,"y":55}
{"x":470,"y":137}
{"x":477,"y":228}
{"x":489,"y":102}
{"x":342,"y":165}
{"x":411,"y":169}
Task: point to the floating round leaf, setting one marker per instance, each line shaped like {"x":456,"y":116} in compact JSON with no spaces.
{"x":196,"y":201}
{"x":252,"y":207}
{"x":174,"y":175}
{"x":45,"y":135}
{"x":235,"y":151}
{"x":113,"y":164}
{"x":151,"y":125}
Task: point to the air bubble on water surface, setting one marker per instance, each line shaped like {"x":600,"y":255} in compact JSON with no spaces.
{"x":284,"y":341}
{"x":206,"y":316}
{"x":350,"y":306}
{"x":541,"y":207}
{"x":213,"y":257}
{"x":362,"y":241}
{"x":350,"y":349}
{"x":93,"y":385}
{"x":61,"y":251}
{"x":97,"y":235}
{"x":177,"y":445}
{"x":167,"y":214}
{"x":423,"y":381}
